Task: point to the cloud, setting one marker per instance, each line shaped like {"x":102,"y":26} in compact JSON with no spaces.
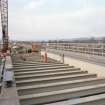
{"x":85,"y":22}
{"x":34,"y":4}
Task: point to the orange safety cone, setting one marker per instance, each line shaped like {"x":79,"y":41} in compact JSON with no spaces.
{"x":46,"y":58}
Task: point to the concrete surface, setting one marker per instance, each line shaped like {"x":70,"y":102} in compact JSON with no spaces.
{"x":9,"y":95}
{"x":84,"y":65}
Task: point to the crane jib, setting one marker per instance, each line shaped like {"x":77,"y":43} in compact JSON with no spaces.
{"x":4,"y":23}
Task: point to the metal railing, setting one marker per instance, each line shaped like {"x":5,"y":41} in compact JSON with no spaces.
{"x":2,"y":67}
{"x":87,"y":48}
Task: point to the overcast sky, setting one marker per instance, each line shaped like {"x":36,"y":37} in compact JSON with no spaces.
{"x":56,"y":19}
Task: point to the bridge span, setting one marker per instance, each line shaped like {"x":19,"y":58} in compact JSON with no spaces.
{"x":62,"y":80}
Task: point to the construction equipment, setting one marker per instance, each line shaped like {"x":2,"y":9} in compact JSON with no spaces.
{"x":4,"y":23}
{"x":36,"y":47}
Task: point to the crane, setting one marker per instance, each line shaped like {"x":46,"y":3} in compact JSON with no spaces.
{"x":4,"y":23}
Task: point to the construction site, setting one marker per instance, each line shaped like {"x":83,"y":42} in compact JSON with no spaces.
{"x":55,"y":73}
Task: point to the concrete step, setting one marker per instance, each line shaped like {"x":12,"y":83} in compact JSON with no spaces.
{"x":35,"y":63}
{"x":54,"y":79}
{"x":38,"y":65}
{"x":98,"y":99}
{"x":35,"y":66}
{"x":30,"y":62}
{"x":46,"y":71}
{"x":39,"y":58}
{"x":35,"y":76}
{"x":41,"y":68}
{"x":53,"y":96}
{"x":59,"y":86}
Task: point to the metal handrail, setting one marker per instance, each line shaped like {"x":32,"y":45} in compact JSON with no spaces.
{"x":2,"y":68}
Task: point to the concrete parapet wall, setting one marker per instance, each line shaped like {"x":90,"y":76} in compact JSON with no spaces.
{"x":90,"y":67}
{"x":8,"y":63}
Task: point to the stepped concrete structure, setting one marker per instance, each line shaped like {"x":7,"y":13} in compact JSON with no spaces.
{"x":51,"y":83}
{"x":55,"y":83}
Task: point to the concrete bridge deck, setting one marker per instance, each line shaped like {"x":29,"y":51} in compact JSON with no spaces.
{"x":52,"y":83}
